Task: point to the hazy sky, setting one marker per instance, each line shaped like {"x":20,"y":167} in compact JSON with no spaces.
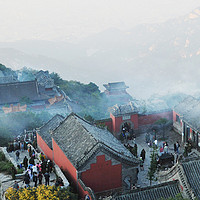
{"x":66,"y":19}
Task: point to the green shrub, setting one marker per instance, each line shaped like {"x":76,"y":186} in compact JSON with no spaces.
{"x":20,"y":171}
{"x":5,"y":166}
{"x":2,"y":156}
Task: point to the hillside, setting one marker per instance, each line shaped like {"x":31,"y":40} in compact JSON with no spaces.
{"x":150,"y":58}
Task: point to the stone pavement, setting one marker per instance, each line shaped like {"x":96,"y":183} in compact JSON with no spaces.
{"x":7,"y":181}
{"x":171,"y":136}
{"x":21,"y":157}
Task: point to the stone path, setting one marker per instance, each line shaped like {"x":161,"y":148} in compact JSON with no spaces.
{"x":21,"y":157}
{"x":141,"y":143}
{"x":7,"y":181}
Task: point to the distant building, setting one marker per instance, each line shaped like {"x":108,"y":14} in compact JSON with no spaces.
{"x":186,"y":117}
{"x":117,"y":88}
{"x":8,"y":79}
{"x":116,"y":92}
{"x":89,"y":155}
{"x":133,"y":116}
{"x":32,"y":95}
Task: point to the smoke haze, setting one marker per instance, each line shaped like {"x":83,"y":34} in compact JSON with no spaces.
{"x":106,"y":41}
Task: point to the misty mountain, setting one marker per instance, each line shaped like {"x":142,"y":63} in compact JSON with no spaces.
{"x":150,"y":58}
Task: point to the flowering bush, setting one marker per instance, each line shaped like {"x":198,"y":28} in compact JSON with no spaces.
{"x":40,"y":193}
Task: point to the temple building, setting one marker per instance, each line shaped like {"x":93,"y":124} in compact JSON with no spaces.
{"x":116,"y":93}
{"x":18,"y":96}
{"x":134,"y":116}
{"x":91,"y":157}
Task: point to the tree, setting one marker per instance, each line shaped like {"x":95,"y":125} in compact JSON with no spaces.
{"x":57,"y":79}
{"x":39,"y":193}
{"x":89,"y":118}
{"x":153,"y":166}
{"x":25,"y":100}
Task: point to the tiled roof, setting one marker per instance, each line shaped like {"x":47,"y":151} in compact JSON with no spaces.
{"x":44,"y":79}
{"x":79,"y":140}
{"x":123,"y":109}
{"x":192,"y":172}
{"x":7,"y":79}
{"x":189,"y":111}
{"x":45,"y":130}
{"x":13,"y":92}
{"x":115,"y":85}
{"x":164,"y":190}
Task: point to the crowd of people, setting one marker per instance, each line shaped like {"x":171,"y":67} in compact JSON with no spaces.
{"x":36,"y":169}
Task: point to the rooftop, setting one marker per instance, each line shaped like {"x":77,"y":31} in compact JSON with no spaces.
{"x":7,"y":79}
{"x":192,"y":172}
{"x":123,"y":109}
{"x":164,"y":190}
{"x":45,"y":130}
{"x":13,"y":92}
{"x":44,"y":79}
{"x":79,"y":140}
{"x":115,"y":86}
{"x":189,"y":111}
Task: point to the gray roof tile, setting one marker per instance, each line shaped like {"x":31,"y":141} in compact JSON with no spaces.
{"x":164,"y":190}
{"x":79,"y":140}
{"x":45,"y":130}
{"x":13,"y":92}
{"x":189,"y":111}
{"x":192,"y":172}
{"x":123,"y":109}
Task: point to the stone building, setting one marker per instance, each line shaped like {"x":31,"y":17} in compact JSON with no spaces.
{"x":91,"y":156}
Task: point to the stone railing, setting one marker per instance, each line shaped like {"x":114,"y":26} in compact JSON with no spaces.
{"x":168,"y":174}
{"x":88,"y":189}
{"x":59,"y":173}
{"x":12,"y":160}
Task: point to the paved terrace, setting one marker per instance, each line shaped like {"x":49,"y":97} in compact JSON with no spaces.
{"x":171,"y":136}
{"x":7,"y":181}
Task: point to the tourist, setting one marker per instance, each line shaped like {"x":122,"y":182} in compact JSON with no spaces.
{"x":25,"y":162}
{"x":175,"y":150}
{"x":17,"y":155}
{"x":32,"y":161}
{"x":177,"y":147}
{"x":35,"y":170}
{"x":22,"y":146}
{"x":40,"y":176}
{"x":166,"y":148}
{"x":35,"y":177}
{"x":156,"y":143}
{"x":43,"y":167}
{"x":141,"y":164}
{"x":26,"y":180}
{"x":46,"y":176}
{"x":16,"y":185}
{"x":49,"y":166}
{"x":143,"y":154}
{"x":38,"y":165}
{"x":30,"y":151}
